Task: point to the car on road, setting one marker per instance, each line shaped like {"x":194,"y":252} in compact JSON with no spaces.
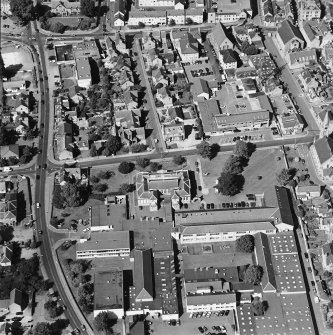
{"x":38,"y":205}
{"x":83,"y":327}
{"x":76,"y":331}
{"x":40,"y":232}
{"x":44,"y":166}
{"x":38,"y":177}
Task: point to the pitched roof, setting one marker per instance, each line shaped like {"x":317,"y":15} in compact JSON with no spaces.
{"x":228,"y":56}
{"x":143,"y":274}
{"x":288,"y":31}
{"x":303,"y":56}
{"x":7,"y":254}
{"x":324,"y":149}
{"x":284,"y":201}
{"x":219,"y":34}
{"x":9,"y":150}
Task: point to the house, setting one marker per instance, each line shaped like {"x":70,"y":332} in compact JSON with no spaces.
{"x":307,"y":80}
{"x":194,"y":15}
{"x":5,"y":7}
{"x":6,"y":255}
{"x":227,"y":58}
{"x":322,"y":154}
{"x":179,"y":4}
{"x":65,"y":7}
{"x":300,"y":59}
{"x":218,"y":38}
{"x":201,"y":87}
{"x":327,"y":256}
{"x":289,"y":37}
{"x":163,"y":95}
{"x":308,"y":10}
{"x":156,"y":3}
{"x":18,"y":301}
{"x":148,"y":18}
{"x":188,"y":48}
{"x":119,"y":11}
{"x":104,"y":244}
{"x":14,"y":87}
{"x":7,"y":151}
{"x":131,"y":99}
{"x":316,"y":33}
{"x":325,"y":121}
{"x":109,"y":292}
{"x":178,"y":16}
{"x":151,"y":188}
{"x":308,"y":191}
{"x":173,"y":131}
{"x":83,"y":72}
{"x":8,"y":208}
{"x":291,"y":123}
{"x":228,"y":12}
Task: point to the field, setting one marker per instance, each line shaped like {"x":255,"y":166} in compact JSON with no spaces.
{"x":66,"y":71}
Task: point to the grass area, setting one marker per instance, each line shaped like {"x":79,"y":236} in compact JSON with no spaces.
{"x":66,"y":71}
{"x":68,"y":83}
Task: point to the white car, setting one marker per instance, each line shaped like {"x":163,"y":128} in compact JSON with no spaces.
{"x":38,"y":205}
{"x":86,"y":229}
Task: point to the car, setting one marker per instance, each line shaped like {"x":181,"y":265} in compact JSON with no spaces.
{"x":38,"y":205}
{"x":86,"y":230}
{"x":309,"y":269}
{"x":76,"y":331}
{"x":196,"y":163}
{"x":197,"y":169}
{"x":224,"y":205}
{"x":201,"y":330}
{"x":37,"y":176}
{"x":83,"y":327}
{"x":40,"y":232}
{"x":212,"y":206}
{"x":208,"y":206}
{"x":44,"y":166}
{"x":226,"y":313}
{"x":200,"y":188}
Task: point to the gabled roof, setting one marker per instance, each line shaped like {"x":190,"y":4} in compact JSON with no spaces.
{"x":284,"y":202}
{"x":324,"y":149}
{"x":143,"y":274}
{"x":228,"y":56}
{"x":288,"y":32}
{"x":7,"y":255}
{"x":219,"y":34}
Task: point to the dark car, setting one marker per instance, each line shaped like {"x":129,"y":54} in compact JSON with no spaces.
{"x":40,"y":232}
{"x":38,"y":177}
{"x":44,"y":166}
{"x":208,"y":206}
{"x":83,"y":327}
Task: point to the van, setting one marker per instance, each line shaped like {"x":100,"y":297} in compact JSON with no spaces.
{"x":7,"y":169}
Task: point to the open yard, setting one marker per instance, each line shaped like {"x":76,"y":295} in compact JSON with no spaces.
{"x":66,"y":71}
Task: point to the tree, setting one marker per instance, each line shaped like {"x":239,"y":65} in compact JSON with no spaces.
{"x":204,"y":149}
{"x":26,"y":155}
{"x":58,"y":27}
{"x":104,"y":321}
{"x":88,"y":8}
{"x":258,"y":307}
{"x":23,"y":9}
{"x":105,"y":174}
{"x":141,"y":25}
{"x":230,"y":184}
{"x":51,"y":307}
{"x":253,"y":274}
{"x":242,"y":148}
{"x":139,"y":147}
{"x":7,"y":136}
{"x":74,"y":194}
{"x":235,"y":164}
{"x":94,"y":179}
{"x":248,"y":49}
{"x":189,"y":21}
{"x":245,"y":244}
{"x":285,"y":175}
{"x":125,"y":167}
{"x":93,"y":150}
{"x":179,"y":159}
{"x":42,"y":328}
{"x":172,"y":22}
{"x":154,"y":166}
{"x":113,"y":144}
{"x":143,"y":162}
{"x":126,"y":188}
{"x":58,"y":199}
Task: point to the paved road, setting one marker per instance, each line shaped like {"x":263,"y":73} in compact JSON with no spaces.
{"x":293,"y":85}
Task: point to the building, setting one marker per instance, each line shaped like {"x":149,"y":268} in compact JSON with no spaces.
{"x":109,"y":293}
{"x":228,"y":59}
{"x":220,"y":232}
{"x":119,"y":12}
{"x":227,"y":12}
{"x":322,"y":154}
{"x":8,"y":208}
{"x":105,"y":244}
{"x":188,"y":48}
{"x":18,"y":301}
{"x":178,"y":16}
{"x":153,"y":188}
{"x":300,"y":59}
{"x":83,"y":72}
{"x":6,"y":255}
{"x":194,"y":15}
{"x":289,"y":37}
{"x":327,"y":256}
{"x":218,"y":38}
{"x":291,"y":123}
{"x":5,"y":7}
{"x":109,"y":216}
{"x":163,"y":4}
{"x":308,"y":191}
{"x":86,"y":49}
{"x":14,"y":87}
{"x":65,"y":7}
{"x":148,"y":18}
{"x":264,"y":65}
{"x":308,"y":10}
{"x":7,"y":151}
{"x":174,"y":131}
{"x":316,"y":33}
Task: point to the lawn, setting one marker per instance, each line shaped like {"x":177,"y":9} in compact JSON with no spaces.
{"x":68,"y":83}
{"x":66,"y":71}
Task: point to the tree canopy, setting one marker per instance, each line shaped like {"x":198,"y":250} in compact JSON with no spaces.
{"x":285,"y":175}
{"x":204,"y":149}
{"x":253,"y":274}
{"x":245,"y":243}
{"x":230,"y":184}
{"x":125,"y":167}
{"x":235,"y":164}
{"x":23,"y":9}
{"x":7,"y":136}
{"x":244,"y":149}
{"x":143,"y":162}
{"x":42,"y":328}
{"x":73,"y":194}
{"x":88,"y":8}
{"x":259,"y":307}
{"x":104,"y":321}
{"x":179,"y":159}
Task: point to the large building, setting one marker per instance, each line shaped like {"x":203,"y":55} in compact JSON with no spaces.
{"x":308,"y":9}
{"x":153,"y":188}
{"x":322,"y":155}
{"x":289,"y":37}
{"x":65,"y":7}
{"x":230,"y":11}
{"x":105,"y":244}
{"x":83,"y":72}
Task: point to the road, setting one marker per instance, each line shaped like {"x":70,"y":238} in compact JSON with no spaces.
{"x":293,"y":85}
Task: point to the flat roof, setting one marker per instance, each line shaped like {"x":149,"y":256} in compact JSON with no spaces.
{"x":83,"y":68}
{"x":105,"y":241}
{"x":211,"y":274}
{"x":208,"y":299}
{"x":64,"y":52}
{"x":108,"y":290}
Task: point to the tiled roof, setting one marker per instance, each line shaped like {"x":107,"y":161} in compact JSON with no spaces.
{"x":288,"y":31}
{"x":324,"y":149}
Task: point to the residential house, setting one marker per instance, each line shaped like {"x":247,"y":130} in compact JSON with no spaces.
{"x":307,"y":80}
{"x":268,"y":12}
{"x":179,"y":5}
{"x":289,"y":37}
{"x":18,"y":301}
{"x":194,"y":15}
{"x":64,"y":140}
{"x":178,"y":16}
{"x":291,"y":123}
{"x":159,"y":77}
{"x":219,"y":39}
{"x":241,"y":33}
{"x":6,"y":255}
{"x":308,"y":191}
{"x":120,"y":43}
{"x":264,"y":65}
{"x":163,"y":96}
{"x":119,"y":12}
{"x":130,"y":126}
{"x":131,"y":99}
{"x":188,"y":48}
{"x":327,"y":256}
{"x":153,"y":188}
{"x":300,"y":59}
{"x":201,"y":87}
{"x":148,"y":18}
{"x":308,"y":10}
{"x":152,"y":58}
{"x":316,"y":33}
{"x":7,"y":151}
{"x":156,"y":3}
{"x":65,"y":7}
{"x":173,"y":131}
{"x":325,"y":121}
{"x":14,"y":87}
{"x":228,"y":12}
{"x":322,"y":154}
{"x":227,"y":58}
{"x":83,"y":72}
